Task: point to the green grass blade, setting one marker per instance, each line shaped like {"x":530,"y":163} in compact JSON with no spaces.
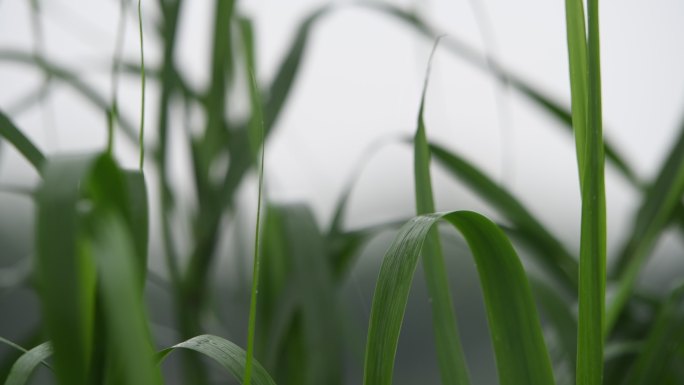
{"x":258,"y":137}
{"x":274,"y":100}
{"x":226,"y":353}
{"x":521,"y":355}
{"x":452,"y":364}
{"x":73,"y":187}
{"x":659,"y":205}
{"x":577,"y":55}
{"x":66,"y":273}
{"x":221,"y":72}
{"x":24,"y":367}
{"x":129,"y":350}
{"x":141,"y":137}
{"x":13,"y":135}
{"x":592,"y":276}
{"x":138,"y":210}
{"x":551,"y":253}
{"x":300,"y":312}
{"x":560,"y":318}
{"x":664,"y":339}
{"x":279,"y":90}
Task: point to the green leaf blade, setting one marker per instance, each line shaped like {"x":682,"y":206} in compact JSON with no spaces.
{"x":13,"y":135}
{"x":452,"y":365}
{"x":24,"y":367}
{"x":226,"y":353}
{"x":516,"y":332}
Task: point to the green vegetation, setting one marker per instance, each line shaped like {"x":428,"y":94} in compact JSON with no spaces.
{"x":92,"y":233}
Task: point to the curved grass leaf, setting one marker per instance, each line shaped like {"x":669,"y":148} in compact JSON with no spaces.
{"x":226,"y":353}
{"x":13,"y":135}
{"x":521,"y":355}
{"x":659,"y":205}
{"x":661,"y":344}
{"x":450,"y":356}
{"x":24,"y":367}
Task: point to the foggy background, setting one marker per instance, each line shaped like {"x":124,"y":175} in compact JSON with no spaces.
{"x":360,"y":82}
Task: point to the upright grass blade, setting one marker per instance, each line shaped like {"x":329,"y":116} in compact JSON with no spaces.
{"x":226,"y":353}
{"x":13,"y":135}
{"x":303,"y":328}
{"x":116,"y":65}
{"x":450,"y":356}
{"x":141,"y":141}
{"x":592,"y":276}
{"x":24,"y":367}
{"x":577,"y":55}
{"x":258,"y":131}
{"x":560,"y":318}
{"x":129,"y":351}
{"x":65,"y":270}
{"x":521,"y":355}
{"x":658,"y":206}
{"x":661,"y":344}
{"x":221,"y":72}
{"x":138,"y":209}
{"x":73,"y":189}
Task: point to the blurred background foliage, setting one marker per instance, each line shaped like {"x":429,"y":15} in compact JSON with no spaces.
{"x":337,"y":180}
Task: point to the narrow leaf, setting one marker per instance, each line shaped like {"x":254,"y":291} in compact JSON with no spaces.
{"x":450,"y":355}
{"x":13,"y":135}
{"x":592,"y":276}
{"x":24,"y":367}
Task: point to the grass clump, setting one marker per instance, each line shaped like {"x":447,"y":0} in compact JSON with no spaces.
{"x":92,"y":235}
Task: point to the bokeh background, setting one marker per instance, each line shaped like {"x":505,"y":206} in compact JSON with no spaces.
{"x":359,"y":85}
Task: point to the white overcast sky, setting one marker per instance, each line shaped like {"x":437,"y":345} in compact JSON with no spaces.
{"x":361,"y":81}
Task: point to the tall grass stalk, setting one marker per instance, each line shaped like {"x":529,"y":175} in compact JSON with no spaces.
{"x":141,"y":140}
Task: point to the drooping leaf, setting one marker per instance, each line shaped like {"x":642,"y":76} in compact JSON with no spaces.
{"x":521,"y":355}
{"x":24,"y":367}
{"x":226,"y":353}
